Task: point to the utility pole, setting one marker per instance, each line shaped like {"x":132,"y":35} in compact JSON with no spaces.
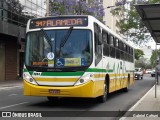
{"x":156,"y":74}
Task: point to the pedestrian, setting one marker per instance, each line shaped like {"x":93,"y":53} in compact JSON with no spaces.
{"x":158,"y":71}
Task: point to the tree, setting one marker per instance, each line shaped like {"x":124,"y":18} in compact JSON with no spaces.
{"x":14,"y":10}
{"x":154,"y":57}
{"x":130,"y":23}
{"x":73,"y":7}
{"x":140,"y":63}
{"x":138,"y":53}
{"x":14,"y":6}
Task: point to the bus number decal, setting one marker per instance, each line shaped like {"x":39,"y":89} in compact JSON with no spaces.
{"x":37,"y":73}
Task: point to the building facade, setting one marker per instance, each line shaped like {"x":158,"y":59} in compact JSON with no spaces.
{"x":14,"y":15}
{"x":109,"y":19}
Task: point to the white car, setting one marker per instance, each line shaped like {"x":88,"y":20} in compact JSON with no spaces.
{"x":138,"y":73}
{"x":148,"y":71}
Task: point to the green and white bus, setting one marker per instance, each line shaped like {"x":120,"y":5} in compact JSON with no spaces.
{"x":75,"y":56}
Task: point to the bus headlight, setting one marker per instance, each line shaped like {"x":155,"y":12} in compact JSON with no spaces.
{"x":28,"y":78}
{"x":84,"y":79}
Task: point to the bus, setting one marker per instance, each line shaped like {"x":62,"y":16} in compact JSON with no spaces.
{"x":75,"y":56}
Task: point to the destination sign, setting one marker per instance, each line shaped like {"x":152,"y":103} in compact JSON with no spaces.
{"x":58,"y":22}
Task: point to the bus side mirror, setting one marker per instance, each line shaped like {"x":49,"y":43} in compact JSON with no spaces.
{"x":100,"y":39}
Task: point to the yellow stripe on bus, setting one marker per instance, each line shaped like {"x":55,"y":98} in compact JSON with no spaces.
{"x":57,"y":79}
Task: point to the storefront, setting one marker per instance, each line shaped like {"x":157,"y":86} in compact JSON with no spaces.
{"x":11,"y":62}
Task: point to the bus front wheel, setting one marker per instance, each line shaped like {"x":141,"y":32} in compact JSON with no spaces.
{"x":103,"y":98}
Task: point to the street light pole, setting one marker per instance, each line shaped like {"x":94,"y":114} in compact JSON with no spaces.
{"x":156,"y":76}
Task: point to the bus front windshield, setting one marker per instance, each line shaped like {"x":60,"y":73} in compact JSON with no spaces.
{"x":43,"y":52}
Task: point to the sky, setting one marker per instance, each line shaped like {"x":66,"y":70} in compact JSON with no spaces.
{"x":153,"y":45}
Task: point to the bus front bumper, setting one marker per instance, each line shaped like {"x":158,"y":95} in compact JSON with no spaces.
{"x":85,"y":90}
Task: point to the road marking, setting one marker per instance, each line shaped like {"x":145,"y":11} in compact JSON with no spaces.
{"x":4,"y":88}
{"x":135,"y":105}
{"x":12,"y":94}
{"x":13,"y":105}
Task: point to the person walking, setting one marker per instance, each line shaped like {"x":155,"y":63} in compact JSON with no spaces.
{"x":158,"y":71}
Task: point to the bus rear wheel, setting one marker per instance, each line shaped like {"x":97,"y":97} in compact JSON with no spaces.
{"x":103,"y":98}
{"x":127,"y":87}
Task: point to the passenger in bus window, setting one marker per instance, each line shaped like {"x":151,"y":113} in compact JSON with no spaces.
{"x":86,"y":53}
{"x":66,"y":50}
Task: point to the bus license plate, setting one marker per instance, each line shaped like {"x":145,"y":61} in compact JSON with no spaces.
{"x":54,"y":91}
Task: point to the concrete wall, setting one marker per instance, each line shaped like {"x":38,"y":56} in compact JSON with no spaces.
{"x":109,"y":19}
{"x":11,"y":29}
{"x":2,"y":61}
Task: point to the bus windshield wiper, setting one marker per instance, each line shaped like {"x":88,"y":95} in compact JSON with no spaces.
{"x":66,"y":36}
{"x":47,"y":38}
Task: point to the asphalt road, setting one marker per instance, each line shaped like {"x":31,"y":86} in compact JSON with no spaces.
{"x":12,"y":99}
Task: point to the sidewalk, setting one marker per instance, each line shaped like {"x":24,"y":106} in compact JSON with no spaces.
{"x":11,"y":83}
{"x":147,"y":108}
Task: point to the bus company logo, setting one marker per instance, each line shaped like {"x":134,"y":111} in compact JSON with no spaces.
{"x":6,"y":114}
{"x":107,"y":67}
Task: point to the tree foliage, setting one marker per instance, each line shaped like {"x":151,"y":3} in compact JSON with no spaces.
{"x":130,"y":24}
{"x":14,"y":12}
{"x":14,"y":6}
{"x":141,"y":63}
{"x":73,"y":7}
{"x":138,"y":53}
{"x":154,"y":58}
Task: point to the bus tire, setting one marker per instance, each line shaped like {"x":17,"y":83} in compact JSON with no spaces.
{"x":103,"y":98}
{"x":127,"y":87}
{"x":52,"y":99}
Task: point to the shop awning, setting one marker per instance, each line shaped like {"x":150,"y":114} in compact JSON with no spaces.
{"x":150,"y":15}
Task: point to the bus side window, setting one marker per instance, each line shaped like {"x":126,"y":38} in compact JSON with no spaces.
{"x":106,"y":50}
{"x":112,"y":44}
{"x":111,"y":40}
{"x":127,"y":55}
{"x":122,"y":48}
{"x":117,"y":49}
{"x":98,"y":48}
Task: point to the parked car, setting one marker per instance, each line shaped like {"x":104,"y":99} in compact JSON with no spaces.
{"x":153,"y":73}
{"x":148,"y":71}
{"x":138,"y":73}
